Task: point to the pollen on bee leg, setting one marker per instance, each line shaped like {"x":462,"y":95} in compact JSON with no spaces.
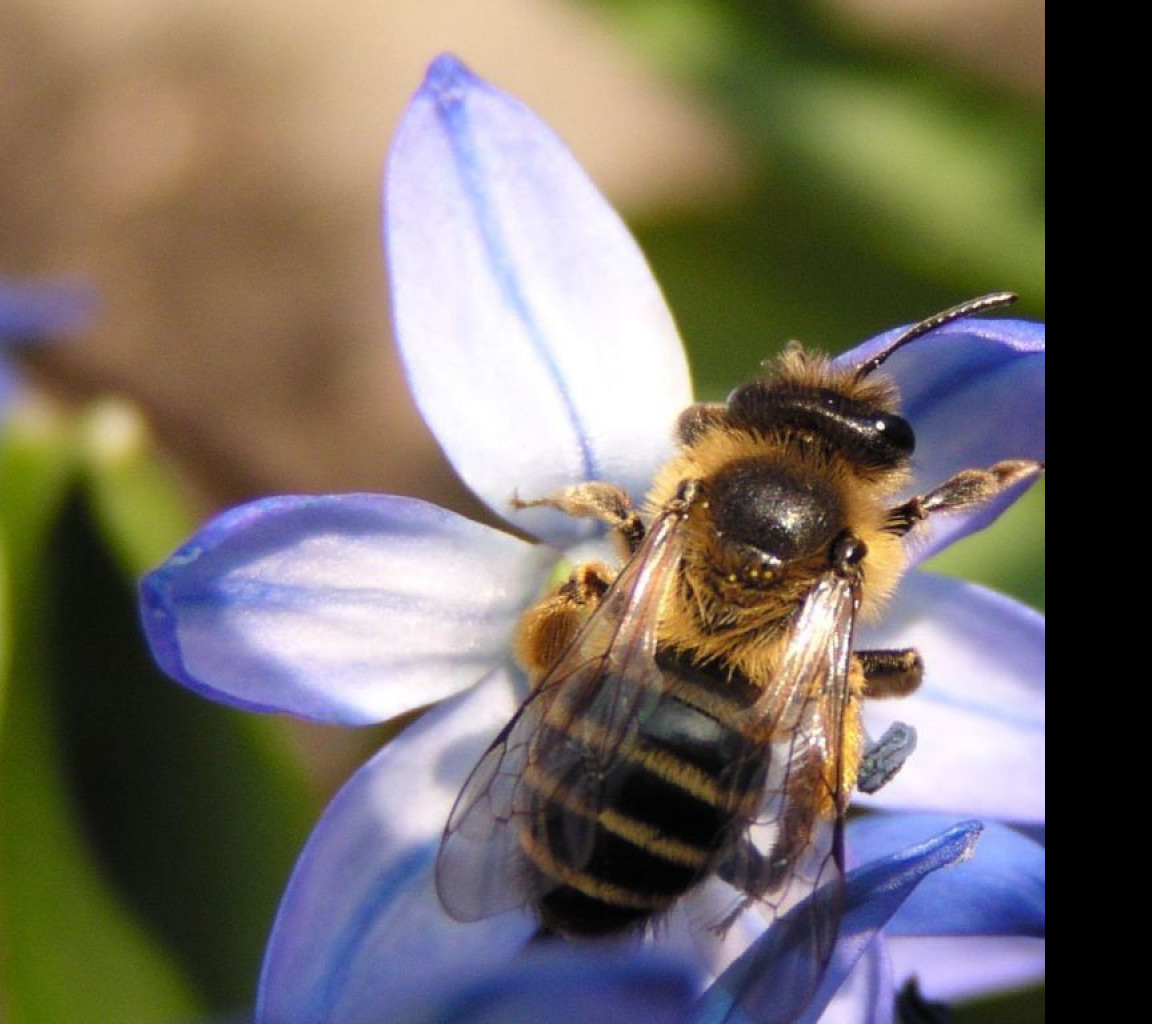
{"x":591,"y":500}
{"x":884,"y":758}
{"x":594,"y":500}
{"x":547,"y":628}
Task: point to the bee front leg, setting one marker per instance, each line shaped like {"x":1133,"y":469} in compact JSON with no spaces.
{"x":595,"y":500}
{"x":967,"y":489}
{"x":549,"y":627}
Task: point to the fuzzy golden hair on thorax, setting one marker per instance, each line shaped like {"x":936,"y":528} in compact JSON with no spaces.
{"x":797,"y":368}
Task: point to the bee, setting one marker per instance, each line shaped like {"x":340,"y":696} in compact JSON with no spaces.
{"x":698,"y":712}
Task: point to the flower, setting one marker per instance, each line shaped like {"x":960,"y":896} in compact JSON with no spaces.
{"x":541,"y":353}
{"x":30,"y":312}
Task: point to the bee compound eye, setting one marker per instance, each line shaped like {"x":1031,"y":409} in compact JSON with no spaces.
{"x":897,"y":432}
{"x":752,"y":403}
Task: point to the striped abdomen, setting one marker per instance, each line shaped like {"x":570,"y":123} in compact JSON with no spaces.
{"x":663,"y":809}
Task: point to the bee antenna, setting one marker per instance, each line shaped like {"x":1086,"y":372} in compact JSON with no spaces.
{"x":960,"y":312}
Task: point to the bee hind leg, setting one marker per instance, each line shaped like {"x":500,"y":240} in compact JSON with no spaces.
{"x":965,"y":490}
{"x":889,"y":673}
{"x":595,"y":500}
{"x":886,"y":674}
{"x":546,"y":630}
{"x":885,"y":757}
{"x":797,"y":856}
{"x":750,"y":872}
{"x":791,"y":872}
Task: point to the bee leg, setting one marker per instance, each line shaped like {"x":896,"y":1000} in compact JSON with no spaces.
{"x":547,"y":629}
{"x":753,"y":872}
{"x":967,"y":489}
{"x":884,"y":758}
{"x":889,"y":673}
{"x":759,"y":874}
{"x":747,"y":870}
{"x":595,"y":500}
{"x":766,"y":877}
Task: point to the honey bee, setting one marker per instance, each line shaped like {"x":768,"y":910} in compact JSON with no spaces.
{"x":698,"y":712}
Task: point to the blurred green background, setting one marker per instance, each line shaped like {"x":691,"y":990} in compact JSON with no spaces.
{"x":794,"y":170}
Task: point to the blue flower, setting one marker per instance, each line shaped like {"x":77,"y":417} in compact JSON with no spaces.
{"x":541,"y":353}
{"x":31,"y":312}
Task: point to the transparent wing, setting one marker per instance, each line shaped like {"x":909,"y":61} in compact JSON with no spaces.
{"x":570,"y":728}
{"x":789,"y":860}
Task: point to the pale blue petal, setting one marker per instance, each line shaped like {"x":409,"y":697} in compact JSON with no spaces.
{"x":30,"y":311}
{"x":348,"y":608}
{"x":950,"y":969}
{"x":761,"y":986}
{"x":536,"y":342}
{"x":33,"y":312}
{"x":571,"y":985}
{"x":979,"y":714}
{"x":690,"y":929}
{"x":998,"y":891}
{"x":360,"y":928}
{"x":974,"y":393}
{"x":868,"y":995}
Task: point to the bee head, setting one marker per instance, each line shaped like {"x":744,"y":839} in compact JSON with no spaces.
{"x":854,"y":415}
{"x":862,"y":426}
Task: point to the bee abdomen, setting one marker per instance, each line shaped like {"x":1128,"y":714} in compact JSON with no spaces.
{"x":619,"y":843}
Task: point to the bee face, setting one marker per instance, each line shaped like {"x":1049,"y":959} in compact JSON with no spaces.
{"x":696,"y":713}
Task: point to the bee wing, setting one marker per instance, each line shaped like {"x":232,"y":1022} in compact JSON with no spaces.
{"x":790,"y":859}
{"x":587,"y":702}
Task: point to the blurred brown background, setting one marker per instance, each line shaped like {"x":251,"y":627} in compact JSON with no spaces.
{"x":213,"y":169}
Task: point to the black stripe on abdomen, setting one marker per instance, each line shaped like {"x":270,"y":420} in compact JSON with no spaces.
{"x":624,"y":840}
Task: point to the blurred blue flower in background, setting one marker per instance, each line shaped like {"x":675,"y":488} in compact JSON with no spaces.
{"x":31,"y":312}
{"x":541,"y":353}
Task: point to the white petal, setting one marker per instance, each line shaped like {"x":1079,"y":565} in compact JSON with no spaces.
{"x":360,"y":927}
{"x":866,"y":997}
{"x":963,"y":968}
{"x":537,"y":343}
{"x":974,"y":392}
{"x":979,"y":715}
{"x":349,"y":608}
